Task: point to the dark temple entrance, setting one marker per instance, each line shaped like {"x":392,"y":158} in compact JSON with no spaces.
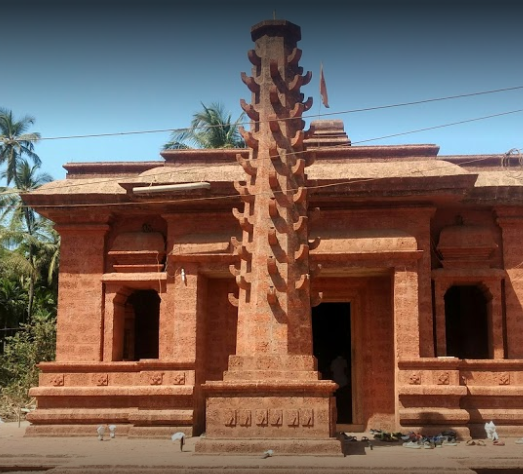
{"x":331,"y":337}
{"x":142,"y":325}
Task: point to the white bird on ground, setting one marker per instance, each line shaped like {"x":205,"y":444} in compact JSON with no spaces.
{"x":490,"y":429}
{"x":101,"y":431}
{"x":112,"y":431}
{"x":268,"y":454}
{"x":179,"y":436}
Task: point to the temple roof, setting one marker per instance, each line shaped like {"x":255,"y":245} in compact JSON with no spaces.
{"x":229,"y":172}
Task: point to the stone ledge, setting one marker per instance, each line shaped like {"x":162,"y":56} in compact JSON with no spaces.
{"x":495,"y":391}
{"x":305,"y":387}
{"x":431,"y":390}
{"x":328,"y":446}
{"x":161,"y":417}
{"x":70,"y":430}
{"x":116,"y":366}
{"x":120,"y":391}
{"x":442,"y":416}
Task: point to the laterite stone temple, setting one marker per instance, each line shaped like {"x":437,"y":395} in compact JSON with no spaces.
{"x":222,"y":307}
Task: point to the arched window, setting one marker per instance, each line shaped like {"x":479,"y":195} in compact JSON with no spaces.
{"x":466,"y":322}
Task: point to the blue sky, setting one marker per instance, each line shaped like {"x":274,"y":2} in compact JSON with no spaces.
{"x":114,"y":66}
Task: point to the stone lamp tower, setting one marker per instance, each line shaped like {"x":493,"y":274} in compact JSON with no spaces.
{"x":271,"y":395}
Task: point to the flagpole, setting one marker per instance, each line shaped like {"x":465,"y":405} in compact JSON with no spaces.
{"x":321,"y":73}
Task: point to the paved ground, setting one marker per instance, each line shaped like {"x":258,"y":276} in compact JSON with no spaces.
{"x":129,"y":456}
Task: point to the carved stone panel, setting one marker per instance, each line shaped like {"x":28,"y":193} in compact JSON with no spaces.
{"x":504,"y":378}
{"x":292,"y":417}
{"x":229,"y":417}
{"x":306,"y":416}
{"x":58,"y":380}
{"x":101,"y":380}
{"x":276,"y":417}
{"x":244,"y":417}
{"x":261,"y":417}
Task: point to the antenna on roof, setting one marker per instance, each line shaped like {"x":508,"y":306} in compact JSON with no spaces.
{"x":274,"y":14}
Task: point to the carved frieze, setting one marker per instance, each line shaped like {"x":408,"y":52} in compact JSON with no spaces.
{"x":306,"y":416}
{"x":101,"y":380}
{"x":156,"y":378}
{"x":179,"y":378}
{"x":261,"y":417}
{"x":244,"y":417}
{"x":415,"y":378}
{"x":504,"y":378}
{"x":229,"y":417}
{"x":276,"y":417}
{"x":443,"y":378}
{"x":292,"y":417}
{"x":58,"y":380}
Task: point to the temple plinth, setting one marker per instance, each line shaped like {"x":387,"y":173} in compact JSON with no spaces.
{"x":271,"y":389}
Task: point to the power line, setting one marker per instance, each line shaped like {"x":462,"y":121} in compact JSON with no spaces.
{"x":190,"y":169}
{"x":412,"y":173}
{"x":350,"y":111}
{"x":441,"y":126}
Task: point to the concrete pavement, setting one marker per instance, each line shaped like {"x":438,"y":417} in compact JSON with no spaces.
{"x":128,"y":456}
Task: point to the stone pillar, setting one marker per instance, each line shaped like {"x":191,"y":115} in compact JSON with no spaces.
{"x":495,"y":323}
{"x":512,"y":229}
{"x":114,"y":322}
{"x":167,"y":321}
{"x":187,"y":302}
{"x":406,"y":311}
{"x":439,"y":304}
{"x":270,"y":393}
{"x":80,"y":295}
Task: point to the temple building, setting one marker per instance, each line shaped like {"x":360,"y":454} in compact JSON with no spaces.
{"x":289,"y":289}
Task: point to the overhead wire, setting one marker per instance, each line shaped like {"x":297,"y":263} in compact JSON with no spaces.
{"x":350,"y":111}
{"x":349,"y":182}
{"x":191,"y":169}
{"x":239,"y":150}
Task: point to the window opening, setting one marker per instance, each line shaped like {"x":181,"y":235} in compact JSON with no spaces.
{"x":466,"y":322}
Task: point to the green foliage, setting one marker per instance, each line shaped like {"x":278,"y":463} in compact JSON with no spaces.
{"x":29,"y":257}
{"x":32,"y":344}
{"x":15,"y":143}
{"x":211,"y":127}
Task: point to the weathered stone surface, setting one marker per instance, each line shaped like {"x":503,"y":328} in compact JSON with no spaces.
{"x":192,"y":311}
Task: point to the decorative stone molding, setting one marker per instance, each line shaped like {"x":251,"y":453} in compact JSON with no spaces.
{"x":101,"y":380}
{"x":229,"y":418}
{"x":261,"y":417}
{"x":307,"y":416}
{"x":504,"y":378}
{"x":276,"y":417}
{"x":415,"y":378}
{"x":443,"y":378}
{"x":293,"y":417}
{"x":244,"y":417}
{"x":179,"y":378}
{"x":156,"y":378}
{"x":58,"y":380}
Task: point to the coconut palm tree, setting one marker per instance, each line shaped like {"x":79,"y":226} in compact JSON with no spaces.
{"x":25,"y":231}
{"x":15,"y":143}
{"x":212,"y":127}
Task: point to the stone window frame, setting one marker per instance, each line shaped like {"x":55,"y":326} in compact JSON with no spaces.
{"x":490,"y":282}
{"x":118,"y":287}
